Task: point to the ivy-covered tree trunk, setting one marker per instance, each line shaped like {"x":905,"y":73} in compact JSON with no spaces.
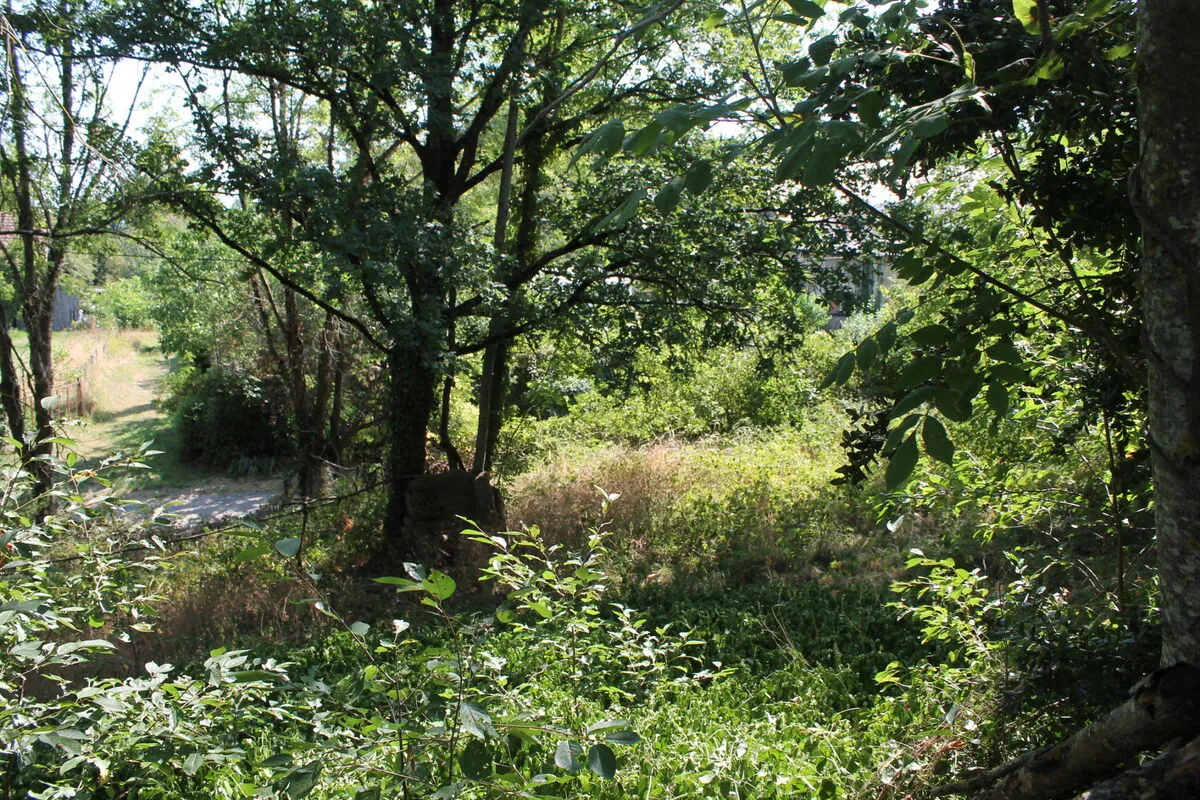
{"x":412,"y":366}
{"x":1166,"y":191}
{"x":39,"y":319}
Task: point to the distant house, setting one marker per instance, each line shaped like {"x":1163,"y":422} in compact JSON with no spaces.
{"x":68,"y":310}
{"x":848,"y":285}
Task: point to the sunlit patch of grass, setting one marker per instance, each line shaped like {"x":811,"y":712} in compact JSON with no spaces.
{"x":123,"y":370}
{"x":726,"y":510}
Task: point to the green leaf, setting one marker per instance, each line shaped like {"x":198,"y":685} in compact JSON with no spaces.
{"x":699,"y":177}
{"x":475,"y":760}
{"x":867,"y":350}
{"x":822,"y":49}
{"x":602,"y":761}
{"x":476,"y":721}
{"x":886,"y":336}
{"x":645,"y":139}
{"x":997,"y":398}
{"x":668,"y":196}
{"x":930,"y":125}
{"x":360,"y":628}
{"x":1005,"y":350}
{"x":439,"y":584}
{"x":937,"y":441}
{"x":1118,"y":52}
{"x":714,"y":20}
{"x":903,"y":155}
{"x":622,"y":737}
{"x":968,"y":62}
{"x":301,"y":781}
{"x":604,"y":141}
{"x":932,"y":336}
{"x":541,"y":608}
{"x":193,"y":764}
{"x":912,"y":400}
{"x":609,"y":724}
{"x":1052,"y":68}
{"x":897,"y":433}
{"x":823,"y":163}
{"x":923,"y":369}
{"x":841,"y":371}
{"x":401,"y":584}
{"x":1026,"y":12}
{"x":624,"y":212}
{"x":1008,"y":373}
{"x":952,"y":405}
{"x":288,"y":548}
{"x":902,"y":463}
{"x":566,"y":756}
{"x":869,"y":105}
{"x":252,"y":552}
{"x":448,"y":792}
{"x":678,"y":120}
{"x":806,"y":8}
{"x":799,"y":142}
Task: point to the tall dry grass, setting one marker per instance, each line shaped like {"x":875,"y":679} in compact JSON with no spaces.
{"x":716,"y":509}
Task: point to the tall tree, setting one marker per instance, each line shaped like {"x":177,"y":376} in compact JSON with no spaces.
{"x":416,"y":94}
{"x":1166,"y":196}
{"x":59,"y":158}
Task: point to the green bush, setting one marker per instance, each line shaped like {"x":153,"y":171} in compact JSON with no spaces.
{"x":125,"y":303}
{"x":226,"y":418}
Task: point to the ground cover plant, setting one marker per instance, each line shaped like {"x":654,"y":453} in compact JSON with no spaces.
{"x":726,"y":623}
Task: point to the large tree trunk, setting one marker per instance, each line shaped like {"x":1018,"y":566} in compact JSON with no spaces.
{"x":1167,"y":196}
{"x":413,"y":370}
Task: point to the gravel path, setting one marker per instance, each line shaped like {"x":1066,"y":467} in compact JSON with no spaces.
{"x":201,"y":505}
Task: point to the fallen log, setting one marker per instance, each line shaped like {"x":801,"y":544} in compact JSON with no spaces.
{"x":1173,"y":776}
{"x":1163,"y":707}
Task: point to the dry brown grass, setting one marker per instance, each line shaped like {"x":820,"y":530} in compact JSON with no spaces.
{"x":719,"y":510}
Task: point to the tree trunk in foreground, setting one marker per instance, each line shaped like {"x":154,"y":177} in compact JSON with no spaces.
{"x":1166,"y":194}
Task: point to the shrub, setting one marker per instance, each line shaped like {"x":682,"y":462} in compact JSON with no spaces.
{"x":226,"y":417}
{"x":125,"y":303}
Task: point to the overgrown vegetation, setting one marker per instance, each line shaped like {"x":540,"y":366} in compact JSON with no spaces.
{"x":804,"y":349}
{"x":720,"y":619}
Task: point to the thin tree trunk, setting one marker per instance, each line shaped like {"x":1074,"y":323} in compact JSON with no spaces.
{"x":10,"y":387}
{"x":495,"y":354}
{"x":36,"y":308}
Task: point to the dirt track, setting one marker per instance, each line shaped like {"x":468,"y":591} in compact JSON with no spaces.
{"x":210,"y":502}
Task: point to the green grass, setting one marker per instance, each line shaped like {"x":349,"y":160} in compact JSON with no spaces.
{"x":123,"y":383}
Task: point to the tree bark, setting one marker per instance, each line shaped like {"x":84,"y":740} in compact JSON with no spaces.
{"x":1166,"y":193}
{"x":10,"y":387}
{"x":414,"y":380}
